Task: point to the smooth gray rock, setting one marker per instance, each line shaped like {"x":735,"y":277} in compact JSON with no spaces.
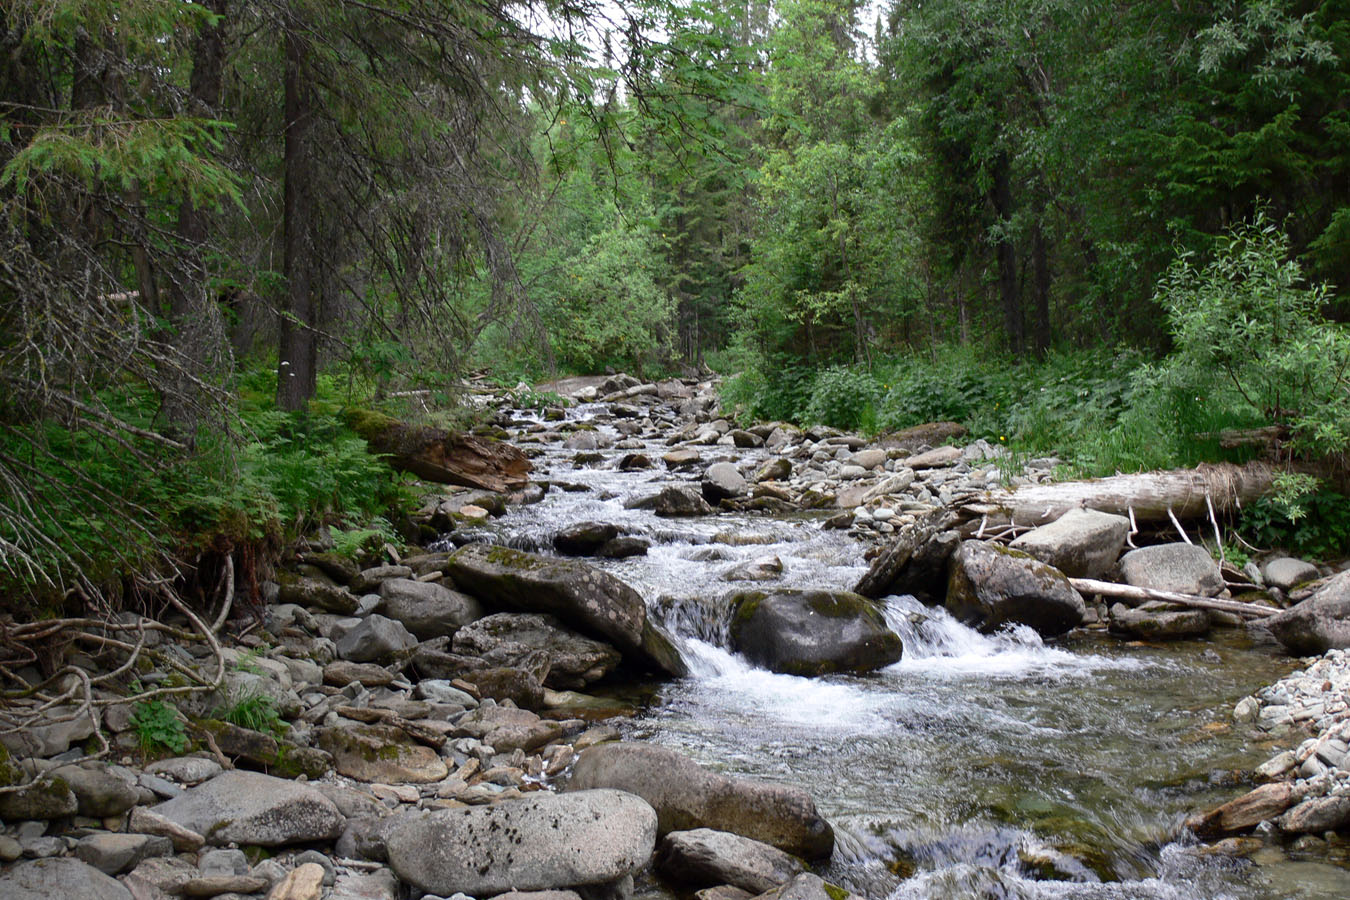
{"x":574,"y":661}
{"x":704,"y":858}
{"x":375,"y":638}
{"x":540,"y":842}
{"x":428,"y":609}
{"x":369,"y":580}
{"x":722,"y":481}
{"x":189,"y":770}
{"x":990,"y":586}
{"x":1183,"y":568}
{"x":584,"y":538}
{"x":98,"y":792}
{"x":580,"y":595}
{"x":60,"y":878}
{"x":687,"y":796}
{"x":45,"y":798}
{"x":1319,"y":623}
{"x":808,"y":633}
{"x":438,"y":690}
{"x":1082,"y":543}
{"x":1286,"y":573}
{"x":672,"y":501}
{"x":251,"y":808}
{"x":1158,"y":621}
{"x":113,"y":854}
{"x":765,"y":568}
{"x":50,"y":736}
{"x":808,"y":887}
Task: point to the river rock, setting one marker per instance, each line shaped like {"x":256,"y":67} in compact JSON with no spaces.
{"x":990,"y":586}
{"x":1287,"y":573}
{"x":318,"y":593}
{"x":706,"y":858}
{"x":1246,"y":812}
{"x":505,"y":729}
{"x":687,"y":796}
{"x":541,"y":842}
{"x":375,"y":638}
{"x":682,"y":458}
{"x":584,"y":538}
{"x":915,"y":562}
{"x":672,"y":501}
{"x":45,"y":798}
{"x":380,"y":754}
{"x":765,"y":568}
{"x":1317,"y":815}
{"x":60,"y":727}
{"x":722,"y":481}
{"x":776,"y":469}
{"x":60,"y":877}
{"x":184,"y":840}
{"x":251,"y":808}
{"x":98,"y":792}
{"x":580,"y":595}
{"x":624,"y":547}
{"x":1182,"y":568}
{"x":1154,"y":621}
{"x":800,"y":632}
{"x":1317,"y":624}
{"x":1082,"y":543}
{"x":113,"y":854}
{"x":574,"y":661}
{"x":502,"y":683}
{"x":933,"y":459}
{"x":427,"y":609}
{"x":341,"y":673}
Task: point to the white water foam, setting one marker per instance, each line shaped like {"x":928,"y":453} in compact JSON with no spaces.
{"x":937,"y":645}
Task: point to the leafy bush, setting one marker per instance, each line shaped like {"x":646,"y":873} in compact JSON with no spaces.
{"x":842,"y":398}
{"x":158,"y":727}
{"x":1245,"y":323}
{"x":1315,"y":525}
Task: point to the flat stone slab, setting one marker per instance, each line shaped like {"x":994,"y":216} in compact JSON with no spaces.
{"x":540,"y":842}
{"x":252,"y":808}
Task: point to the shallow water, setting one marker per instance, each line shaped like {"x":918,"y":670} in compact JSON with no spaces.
{"x":976,"y":767}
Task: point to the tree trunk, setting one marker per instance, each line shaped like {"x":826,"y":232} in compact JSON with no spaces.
{"x":1040,"y":263}
{"x":1148,"y":495}
{"x":296,"y":347}
{"x":1143,"y":595}
{"x":1007,"y":259}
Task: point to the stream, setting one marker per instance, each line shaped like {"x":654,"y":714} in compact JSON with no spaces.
{"x":978,"y":766}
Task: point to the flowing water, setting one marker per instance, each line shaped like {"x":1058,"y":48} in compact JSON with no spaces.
{"x":976,"y":767}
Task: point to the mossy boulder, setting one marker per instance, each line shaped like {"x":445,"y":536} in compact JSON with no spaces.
{"x":990,"y":586}
{"x":581,"y":596}
{"x":809,"y":633}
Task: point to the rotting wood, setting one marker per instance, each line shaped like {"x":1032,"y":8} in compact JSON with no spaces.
{"x":1131,"y":592}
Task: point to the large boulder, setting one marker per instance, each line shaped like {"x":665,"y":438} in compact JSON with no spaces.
{"x":990,"y":586}
{"x":580,"y":595}
{"x":574,"y":660}
{"x":686,"y":796}
{"x":375,"y":638}
{"x":706,"y":858}
{"x":1082,"y":543}
{"x":1318,"y":624}
{"x":44,"y":879}
{"x":584,"y":538}
{"x":672,"y":501}
{"x":915,"y":562}
{"x":722,"y":481}
{"x":252,"y":808}
{"x":1181,"y":568}
{"x":427,"y":609}
{"x":540,"y":842}
{"x":801,"y":632}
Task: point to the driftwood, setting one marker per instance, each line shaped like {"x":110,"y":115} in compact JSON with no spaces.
{"x":1130,"y":592}
{"x":1185,"y":493}
{"x":443,"y":456}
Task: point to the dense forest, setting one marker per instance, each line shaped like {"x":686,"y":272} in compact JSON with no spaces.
{"x":1108,"y":230}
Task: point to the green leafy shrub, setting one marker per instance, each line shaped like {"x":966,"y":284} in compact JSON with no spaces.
{"x":1315,"y":525}
{"x":842,"y":397}
{"x":158,"y":727}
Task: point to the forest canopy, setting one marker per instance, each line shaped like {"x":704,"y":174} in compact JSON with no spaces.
{"x":220,"y":215}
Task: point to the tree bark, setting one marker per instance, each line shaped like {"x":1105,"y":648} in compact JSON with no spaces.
{"x":1148,"y":495}
{"x":1040,"y":262}
{"x":1007,"y":259}
{"x":297,"y":343}
{"x":1130,"y":592}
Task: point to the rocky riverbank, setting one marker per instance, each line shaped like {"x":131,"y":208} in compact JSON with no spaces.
{"x":422,"y":727}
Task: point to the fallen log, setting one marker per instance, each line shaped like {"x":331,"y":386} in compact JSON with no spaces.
{"x":1130,"y":592}
{"x":1149,"y":495}
{"x":447,"y":457}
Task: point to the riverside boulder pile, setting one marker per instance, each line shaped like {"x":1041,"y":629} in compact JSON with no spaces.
{"x":419,"y":728}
